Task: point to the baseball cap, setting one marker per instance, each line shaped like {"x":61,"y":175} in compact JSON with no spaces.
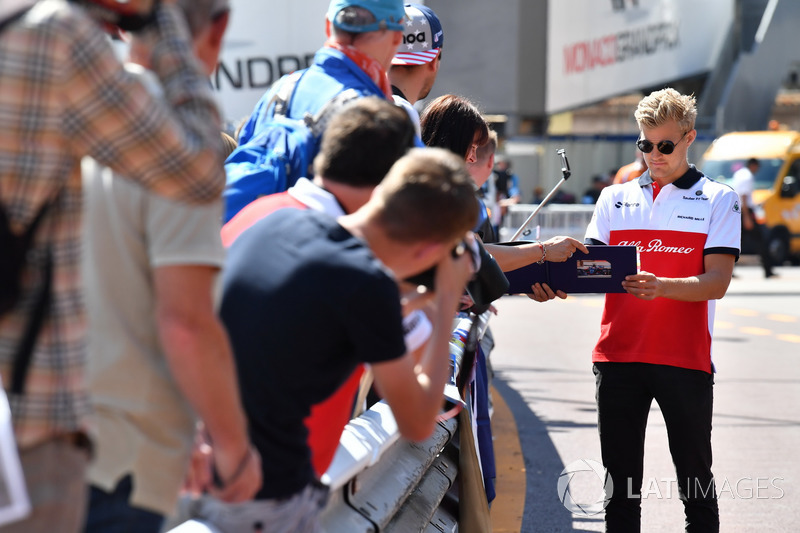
{"x":422,"y":37}
{"x":388,"y":14}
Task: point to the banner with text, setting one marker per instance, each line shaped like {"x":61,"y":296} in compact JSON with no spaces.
{"x":601,"y":48}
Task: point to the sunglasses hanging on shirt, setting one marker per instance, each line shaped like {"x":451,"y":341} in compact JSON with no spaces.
{"x":665,"y":147}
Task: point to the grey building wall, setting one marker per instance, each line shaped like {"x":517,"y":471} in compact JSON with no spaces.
{"x":494,"y":54}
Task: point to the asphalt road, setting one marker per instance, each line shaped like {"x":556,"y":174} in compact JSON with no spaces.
{"x":542,"y":365}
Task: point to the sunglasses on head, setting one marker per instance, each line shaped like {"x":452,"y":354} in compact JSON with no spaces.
{"x":665,"y":147}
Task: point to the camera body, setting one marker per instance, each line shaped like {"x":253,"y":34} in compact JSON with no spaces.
{"x":488,"y":284}
{"x":128,"y":15}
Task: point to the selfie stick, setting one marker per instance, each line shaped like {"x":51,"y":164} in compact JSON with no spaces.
{"x":565,"y":174}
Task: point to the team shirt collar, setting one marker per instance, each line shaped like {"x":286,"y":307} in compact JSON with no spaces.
{"x":687,"y":181}
{"x":316,"y":197}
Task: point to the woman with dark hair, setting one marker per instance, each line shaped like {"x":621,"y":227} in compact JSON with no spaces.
{"x":453,"y":122}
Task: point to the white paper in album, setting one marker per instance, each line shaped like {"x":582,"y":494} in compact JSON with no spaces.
{"x":14,"y":503}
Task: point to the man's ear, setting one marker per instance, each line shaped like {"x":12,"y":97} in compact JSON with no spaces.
{"x":428,"y":252}
{"x":690,"y":137}
{"x":397,"y":39}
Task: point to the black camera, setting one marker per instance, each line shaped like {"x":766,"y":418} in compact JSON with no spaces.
{"x":488,"y":284}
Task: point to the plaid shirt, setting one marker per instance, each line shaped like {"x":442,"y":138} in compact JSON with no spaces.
{"x":63,"y":95}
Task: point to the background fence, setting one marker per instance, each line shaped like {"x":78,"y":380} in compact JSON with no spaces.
{"x":554,"y":219}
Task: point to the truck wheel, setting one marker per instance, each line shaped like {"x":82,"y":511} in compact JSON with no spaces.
{"x":778,"y":245}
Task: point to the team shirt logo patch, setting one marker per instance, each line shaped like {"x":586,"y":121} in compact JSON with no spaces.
{"x":736,"y":206}
{"x":618,"y":205}
{"x":657,"y":245}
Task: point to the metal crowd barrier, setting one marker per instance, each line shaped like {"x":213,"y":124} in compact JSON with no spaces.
{"x":384,"y":483}
{"x":553,"y":220}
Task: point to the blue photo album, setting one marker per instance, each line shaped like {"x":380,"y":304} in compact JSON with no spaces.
{"x":602,"y":270}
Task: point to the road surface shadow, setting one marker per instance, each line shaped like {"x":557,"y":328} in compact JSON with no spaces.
{"x":543,"y":512}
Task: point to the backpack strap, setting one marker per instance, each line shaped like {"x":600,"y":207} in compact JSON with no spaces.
{"x":317,"y":123}
{"x":41,"y":306}
{"x":283,"y":96}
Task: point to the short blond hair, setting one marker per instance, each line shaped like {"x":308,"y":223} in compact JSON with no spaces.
{"x":667,"y":104}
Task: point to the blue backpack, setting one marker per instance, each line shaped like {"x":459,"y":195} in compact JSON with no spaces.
{"x":280,"y":153}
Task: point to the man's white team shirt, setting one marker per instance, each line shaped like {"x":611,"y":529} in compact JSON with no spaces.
{"x":689,"y":218}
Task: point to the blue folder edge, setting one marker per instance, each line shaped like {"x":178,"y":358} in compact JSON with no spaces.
{"x":602,"y":270}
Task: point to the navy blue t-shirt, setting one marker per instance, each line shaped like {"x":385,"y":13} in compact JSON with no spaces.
{"x":304,"y":302}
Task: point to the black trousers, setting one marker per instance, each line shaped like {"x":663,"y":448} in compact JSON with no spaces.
{"x":758,"y":237}
{"x":624,"y":394}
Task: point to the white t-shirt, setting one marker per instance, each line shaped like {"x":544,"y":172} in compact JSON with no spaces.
{"x":743,"y":182}
{"x":142,"y":423}
{"x":412,"y":112}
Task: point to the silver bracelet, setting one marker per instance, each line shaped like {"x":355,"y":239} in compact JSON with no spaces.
{"x":544,"y":253}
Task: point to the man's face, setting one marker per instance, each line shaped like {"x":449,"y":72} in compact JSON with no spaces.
{"x":432,"y":71}
{"x":667,"y":167}
{"x":481,"y":170}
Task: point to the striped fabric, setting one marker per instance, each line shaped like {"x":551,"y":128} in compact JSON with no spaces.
{"x":415,"y":58}
{"x":63,"y":95}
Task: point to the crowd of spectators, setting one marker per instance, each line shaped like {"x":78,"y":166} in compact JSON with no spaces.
{"x":136,"y":389}
{"x":133,"y":377}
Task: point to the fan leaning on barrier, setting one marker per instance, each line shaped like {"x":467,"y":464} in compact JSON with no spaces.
{"x":490,"y":284}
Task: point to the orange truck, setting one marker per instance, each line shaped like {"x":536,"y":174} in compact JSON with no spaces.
{"x":776,"y":193}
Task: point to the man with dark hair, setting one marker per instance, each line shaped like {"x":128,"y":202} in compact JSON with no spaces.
{"x":417,"y":61}
{"x":359,"y":146}
{"x":66,"y":95}
{"x":158,"y":355}
{"x":337,"y":279}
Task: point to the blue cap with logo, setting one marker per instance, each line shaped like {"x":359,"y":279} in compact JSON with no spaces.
{"x":422,"y":37}
{"x":388,"y":15}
